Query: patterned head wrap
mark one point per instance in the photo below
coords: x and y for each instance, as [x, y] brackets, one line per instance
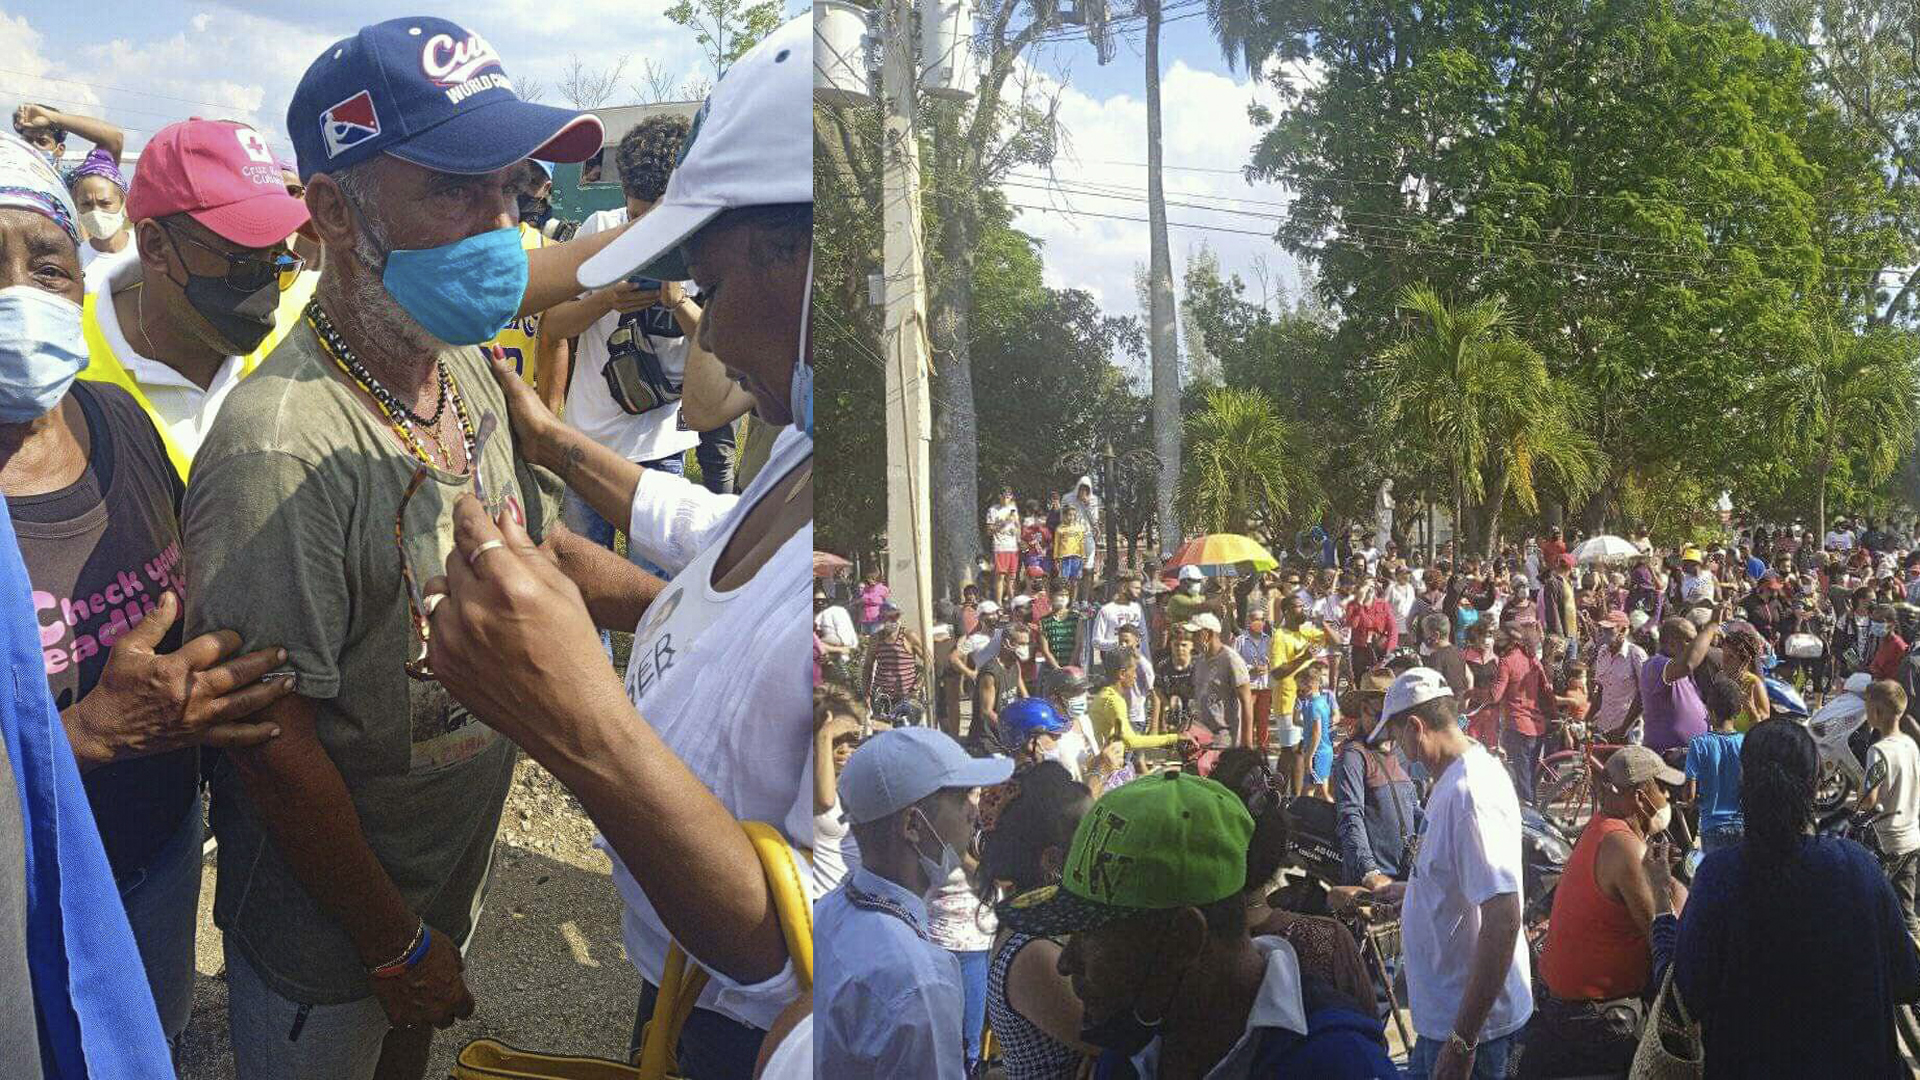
[28, 182]
[98, 163]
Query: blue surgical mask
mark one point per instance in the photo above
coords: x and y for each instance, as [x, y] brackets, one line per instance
[941, 871]
[42, 350]
[465, 292]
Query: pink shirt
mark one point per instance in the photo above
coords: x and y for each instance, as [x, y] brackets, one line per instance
[871, 597]
[1617, 674]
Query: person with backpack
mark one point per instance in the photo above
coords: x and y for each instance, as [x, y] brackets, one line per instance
[1170, 981]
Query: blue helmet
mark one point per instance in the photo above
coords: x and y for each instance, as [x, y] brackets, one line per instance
[1023, 719]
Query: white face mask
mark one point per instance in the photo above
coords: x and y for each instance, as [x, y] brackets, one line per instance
[1022, 651]
[1077, 706]
[938, 872]
[100, 224]
[1193, 588]
[1662, 818]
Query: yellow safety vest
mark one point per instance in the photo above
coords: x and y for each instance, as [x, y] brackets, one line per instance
[522, 336]
[104, 366]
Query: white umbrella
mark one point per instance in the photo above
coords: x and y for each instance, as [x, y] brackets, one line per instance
[1604, 549]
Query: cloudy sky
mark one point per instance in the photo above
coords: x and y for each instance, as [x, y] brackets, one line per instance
[156, 61]
[1207, 140]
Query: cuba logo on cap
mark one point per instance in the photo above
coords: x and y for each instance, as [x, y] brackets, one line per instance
[456, 66]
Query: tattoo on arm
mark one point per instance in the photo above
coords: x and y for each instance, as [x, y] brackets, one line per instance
[570, 459]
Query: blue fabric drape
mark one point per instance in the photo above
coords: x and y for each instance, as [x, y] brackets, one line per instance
[97, 1017]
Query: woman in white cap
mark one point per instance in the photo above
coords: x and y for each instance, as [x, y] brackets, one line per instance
[714, 725]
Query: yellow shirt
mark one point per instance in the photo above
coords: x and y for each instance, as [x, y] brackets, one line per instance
[1108, 711]
[1289, 646]
[104, 366]
[521, 337]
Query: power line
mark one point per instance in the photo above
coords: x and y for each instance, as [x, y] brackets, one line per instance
[1377, 243]
[117, 89]
[1455, 229]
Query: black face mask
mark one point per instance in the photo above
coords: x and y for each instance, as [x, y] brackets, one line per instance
[535, 211]
[243, 320]
[1124, 1030]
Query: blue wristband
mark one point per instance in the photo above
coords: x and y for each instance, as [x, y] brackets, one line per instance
[419, 952]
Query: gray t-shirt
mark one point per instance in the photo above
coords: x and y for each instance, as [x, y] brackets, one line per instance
[289, 529]
[1216, 699]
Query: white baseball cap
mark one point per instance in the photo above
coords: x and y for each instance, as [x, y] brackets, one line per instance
[897, 768]
[1206, 620]
[1191, 573]
[751, 144]
[987, 607]
[1414, 686]
[1023, 600]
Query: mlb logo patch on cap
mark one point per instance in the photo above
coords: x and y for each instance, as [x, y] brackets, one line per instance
[349, 123]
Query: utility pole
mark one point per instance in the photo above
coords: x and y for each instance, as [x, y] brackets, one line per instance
[909, 412]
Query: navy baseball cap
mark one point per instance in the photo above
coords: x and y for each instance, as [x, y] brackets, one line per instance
[430, 92]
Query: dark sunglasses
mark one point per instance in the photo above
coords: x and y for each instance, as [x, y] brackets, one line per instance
[247, 273]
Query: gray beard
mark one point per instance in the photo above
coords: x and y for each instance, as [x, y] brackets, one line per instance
[376, 309]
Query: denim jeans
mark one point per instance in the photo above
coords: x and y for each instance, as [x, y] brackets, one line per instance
[712, 1046]
[716, 454]
[583, 520]
[973, 979]
[1523, 760]
[1489, 1059]
[162, 900]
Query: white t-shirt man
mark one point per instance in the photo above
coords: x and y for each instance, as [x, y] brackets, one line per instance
[1469, 855]
[1003, 526]
[1899, 832]
[1840, 540]
[648, 436]
[835, 627]
[1110, 618]
[1400, 595]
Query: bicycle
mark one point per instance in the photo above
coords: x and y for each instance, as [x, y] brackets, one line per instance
[1563, 787]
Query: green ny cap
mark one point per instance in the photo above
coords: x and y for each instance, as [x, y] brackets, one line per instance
[1167, 841]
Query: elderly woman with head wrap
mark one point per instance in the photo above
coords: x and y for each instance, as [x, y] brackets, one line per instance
[94, 503]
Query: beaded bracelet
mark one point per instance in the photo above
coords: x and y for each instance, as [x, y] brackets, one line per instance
[416, 952]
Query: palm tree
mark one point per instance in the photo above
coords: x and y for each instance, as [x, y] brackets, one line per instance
[1245, 464]
[1470, 393]
[1848, 397]
[1162, 345]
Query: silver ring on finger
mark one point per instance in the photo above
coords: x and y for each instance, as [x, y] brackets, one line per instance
[431, 601]
[484, 547]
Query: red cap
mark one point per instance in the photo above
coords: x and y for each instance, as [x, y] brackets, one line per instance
[220, 173]
[1566, 561]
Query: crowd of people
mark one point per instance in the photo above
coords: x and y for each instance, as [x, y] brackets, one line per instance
[1162, 832]
[314, 469]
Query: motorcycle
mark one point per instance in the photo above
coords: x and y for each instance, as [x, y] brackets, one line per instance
[1839, 732]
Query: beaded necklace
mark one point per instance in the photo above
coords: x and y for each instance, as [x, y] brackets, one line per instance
[402, 419]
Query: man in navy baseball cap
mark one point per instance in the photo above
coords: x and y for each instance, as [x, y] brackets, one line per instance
[427, 91]
[354, 856]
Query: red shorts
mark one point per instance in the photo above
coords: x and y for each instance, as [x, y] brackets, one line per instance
[1006, 562]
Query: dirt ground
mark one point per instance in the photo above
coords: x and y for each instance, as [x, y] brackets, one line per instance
[546, 966]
